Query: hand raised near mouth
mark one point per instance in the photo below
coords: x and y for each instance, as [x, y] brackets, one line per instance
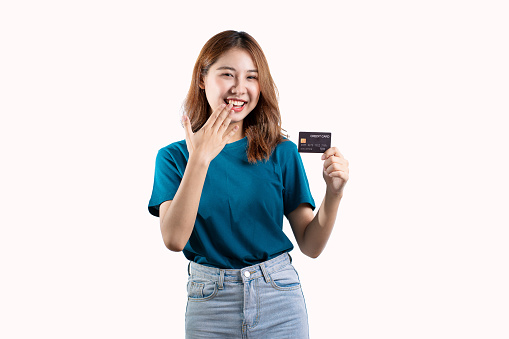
[208, 142]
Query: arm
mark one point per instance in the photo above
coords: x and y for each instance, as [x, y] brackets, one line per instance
[312, 233]
[177, 216]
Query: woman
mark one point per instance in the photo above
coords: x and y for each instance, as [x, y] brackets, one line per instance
[222, 192]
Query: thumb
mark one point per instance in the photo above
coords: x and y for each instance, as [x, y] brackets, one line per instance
[189, 132]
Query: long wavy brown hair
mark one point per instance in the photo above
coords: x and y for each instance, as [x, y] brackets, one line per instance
[262, 126]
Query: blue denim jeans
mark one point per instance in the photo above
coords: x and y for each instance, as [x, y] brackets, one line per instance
[262, 301]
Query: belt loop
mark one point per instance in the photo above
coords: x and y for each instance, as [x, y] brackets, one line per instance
[289, 256]
[221, 279]
[265, 274]
[189, 269]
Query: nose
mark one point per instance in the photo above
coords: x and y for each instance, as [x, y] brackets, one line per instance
[239, 87]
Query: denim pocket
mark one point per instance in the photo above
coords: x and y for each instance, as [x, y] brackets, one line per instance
[286, 279]
[200, 289]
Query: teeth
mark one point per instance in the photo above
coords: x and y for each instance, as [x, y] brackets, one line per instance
[236, 103]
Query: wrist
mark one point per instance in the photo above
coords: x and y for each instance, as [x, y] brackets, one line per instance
[334, 194]
[197, 160]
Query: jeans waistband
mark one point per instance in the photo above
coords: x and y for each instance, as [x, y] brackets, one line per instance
[244, 274]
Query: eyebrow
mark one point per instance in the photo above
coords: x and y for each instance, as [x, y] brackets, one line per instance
[233, 69]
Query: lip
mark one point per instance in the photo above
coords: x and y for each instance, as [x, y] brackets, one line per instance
[238, 109]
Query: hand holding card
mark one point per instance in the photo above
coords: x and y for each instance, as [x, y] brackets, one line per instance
[335, 166]
[335, 170]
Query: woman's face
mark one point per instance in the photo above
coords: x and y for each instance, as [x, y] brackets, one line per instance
[233, 78]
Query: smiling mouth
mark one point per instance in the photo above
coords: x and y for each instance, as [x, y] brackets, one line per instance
[236, 103]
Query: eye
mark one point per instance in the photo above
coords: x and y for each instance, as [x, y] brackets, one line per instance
[254, 77]
[227, 74]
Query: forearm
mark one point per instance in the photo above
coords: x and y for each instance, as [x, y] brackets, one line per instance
[318, 231]
[178, 222]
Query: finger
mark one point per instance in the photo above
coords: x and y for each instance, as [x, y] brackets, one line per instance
[333, 151]
[230, 133]
[212, 119]
[225, 124]
[330, 152]
[225, 113]
[336, 167]
[340, 174]
[333, 167]
[335, 159]
[330, 160]
[188, 130]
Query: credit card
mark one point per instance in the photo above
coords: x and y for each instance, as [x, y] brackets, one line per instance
[314, 142]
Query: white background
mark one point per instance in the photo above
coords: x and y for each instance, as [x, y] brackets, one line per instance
[415, 94]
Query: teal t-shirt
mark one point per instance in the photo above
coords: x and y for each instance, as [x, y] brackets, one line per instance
[240, 216]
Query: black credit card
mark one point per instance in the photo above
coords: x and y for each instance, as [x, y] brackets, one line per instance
[314, 142]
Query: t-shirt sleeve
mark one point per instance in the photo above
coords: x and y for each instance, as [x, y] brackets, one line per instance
[296, 186]
[167, 178]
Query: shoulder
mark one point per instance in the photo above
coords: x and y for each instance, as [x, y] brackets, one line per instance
[173, 148]
[286, 145]
[286, 156]
[285, 148]
[176, 151]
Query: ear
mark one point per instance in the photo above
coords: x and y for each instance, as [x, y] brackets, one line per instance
[201, 84]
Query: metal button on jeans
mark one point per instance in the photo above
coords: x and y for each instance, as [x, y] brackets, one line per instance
[247, 274]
